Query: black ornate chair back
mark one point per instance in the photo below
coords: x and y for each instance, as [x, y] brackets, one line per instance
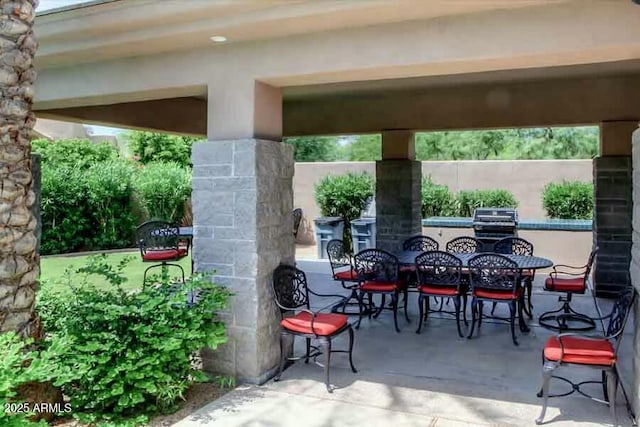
[376, 265]
[420, 243]
[494, 272]
[338, 257]
[157, 235]
[290, 288]
[589, 266]
[620, 313]
[514, 246]
[464, 245]
[297, 217]
[437, 268]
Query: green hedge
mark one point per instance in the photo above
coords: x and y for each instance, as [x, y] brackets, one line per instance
[437, 200]
[568, 200]
[88, 194]
[468, 200]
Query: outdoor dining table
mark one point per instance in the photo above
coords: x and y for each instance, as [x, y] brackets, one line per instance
[525, 262]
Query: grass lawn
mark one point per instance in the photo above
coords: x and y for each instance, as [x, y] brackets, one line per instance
[53, 268]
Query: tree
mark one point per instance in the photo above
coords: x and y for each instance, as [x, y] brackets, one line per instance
[160, 147]
[19, 259]
[315, 148]
[365, 148]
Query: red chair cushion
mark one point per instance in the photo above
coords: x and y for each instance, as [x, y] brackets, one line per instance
[167, 255]
[345, 275]
[408, 269]
[565, 284]
[580, 350]
[380, 286]
[494, 294]
[324, 323]
[438, 290]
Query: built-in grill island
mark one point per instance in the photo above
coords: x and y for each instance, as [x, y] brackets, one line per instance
[493, 224]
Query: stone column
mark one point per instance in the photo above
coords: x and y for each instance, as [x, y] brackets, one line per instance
[398, 185]
[635, 275]
[613, 207]
[242, 202]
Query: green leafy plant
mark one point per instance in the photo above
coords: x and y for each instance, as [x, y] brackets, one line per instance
[75, 153]
[150, 147]
[568, 200]
[344, 196]
[162, 189]
[129, 352]
[468, 200]
[437, 200]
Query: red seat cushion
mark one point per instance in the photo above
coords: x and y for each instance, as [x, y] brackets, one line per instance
[324, 323]
[495, 294]
[345, 275]
[408, 269]
[565, 284]
[166, 255]
[380, 286]
[580, 350]
[438, 290]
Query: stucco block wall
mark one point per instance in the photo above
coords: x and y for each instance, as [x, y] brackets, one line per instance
[524, 178]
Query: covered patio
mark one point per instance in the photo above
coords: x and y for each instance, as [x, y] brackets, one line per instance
[312, 68]
[434, 379]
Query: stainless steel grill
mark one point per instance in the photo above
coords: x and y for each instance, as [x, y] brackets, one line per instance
[493, 224]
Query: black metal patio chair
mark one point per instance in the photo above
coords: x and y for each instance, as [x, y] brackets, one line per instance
[439, 275]
[494, 278]
[593, 351]
[342, 271]
[379, 274]
[419, 244]
[464, 245]
[519, 246]
[292, 296]
[160, 242]
[297, 218]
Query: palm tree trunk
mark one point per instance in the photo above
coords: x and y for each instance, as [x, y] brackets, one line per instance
[19, 258]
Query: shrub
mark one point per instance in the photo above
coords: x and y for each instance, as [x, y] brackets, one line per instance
[160, 147]
[568, 200]
[437, 200]
[129, 353]
[344, 196]
[467, 200]
[162, 189]
[76, 153]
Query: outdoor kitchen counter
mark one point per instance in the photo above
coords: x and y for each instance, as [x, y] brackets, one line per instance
[524, 224]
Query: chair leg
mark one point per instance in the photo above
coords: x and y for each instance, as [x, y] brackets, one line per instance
[326, 349]
[421, 304]
[360, 308]
[493, 308]
[306, 357]
[464, 309]
[547, 372]
[456, 303]
[394, 301]
[370, 299]
[480, 313]
[605, 392]
[529, 306]
[612, 388]
[406, 299]
[353, 368]
[283, 357]
[512, 318]
[382, 303]
[474, 309]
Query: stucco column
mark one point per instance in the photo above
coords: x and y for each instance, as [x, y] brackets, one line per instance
[242, 202]
[635, 274]
[613, 207]
[398, 185]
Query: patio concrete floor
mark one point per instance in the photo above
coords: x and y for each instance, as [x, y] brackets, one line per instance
[431, 379]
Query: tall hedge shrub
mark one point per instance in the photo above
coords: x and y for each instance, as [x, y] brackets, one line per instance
[468, 200]
[344, 196]
[162, 189]
[437, 200]
[568, 200]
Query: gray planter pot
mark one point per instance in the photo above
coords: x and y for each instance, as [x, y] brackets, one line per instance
[327, 228]
[363, 234]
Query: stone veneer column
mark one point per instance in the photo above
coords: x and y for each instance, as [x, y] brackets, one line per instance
[242, 202]
[612, 223]
[635, 274]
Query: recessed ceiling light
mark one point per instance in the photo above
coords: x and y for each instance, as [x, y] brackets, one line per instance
[218, 39]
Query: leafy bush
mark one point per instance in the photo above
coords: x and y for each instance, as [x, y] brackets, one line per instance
[162, 189]
[568, 200]
[160, 147]
[437, 200]
[76, 153]
[18, 366]
[467, 200]
[344, 196]
[129, 354]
